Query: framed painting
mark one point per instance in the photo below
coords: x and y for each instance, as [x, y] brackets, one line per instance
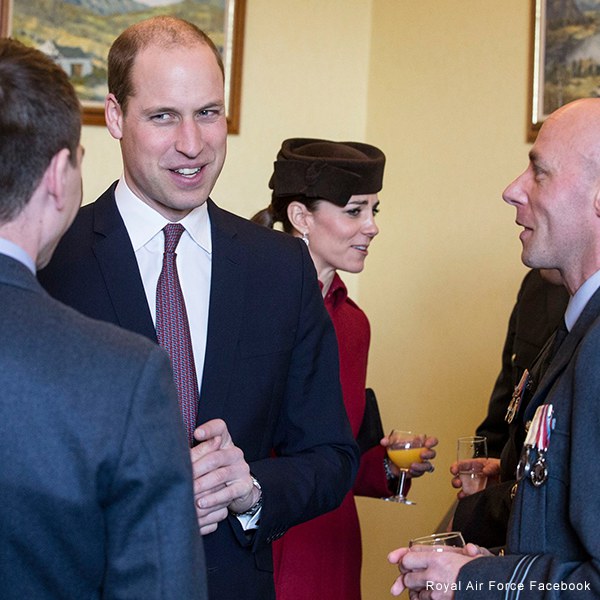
[565, 55]
[78, 34]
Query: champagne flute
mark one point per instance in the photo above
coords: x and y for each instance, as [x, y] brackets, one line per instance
[404, 449]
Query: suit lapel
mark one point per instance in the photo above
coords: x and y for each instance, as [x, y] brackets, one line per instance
[116, 259]
[565, 352]
[227, 286]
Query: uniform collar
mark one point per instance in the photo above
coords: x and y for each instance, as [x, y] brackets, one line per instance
[580, 299]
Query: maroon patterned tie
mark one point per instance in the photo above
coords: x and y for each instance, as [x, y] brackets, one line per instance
[173, 330]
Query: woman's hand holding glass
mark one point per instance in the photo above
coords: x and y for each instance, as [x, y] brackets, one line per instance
[426, 455]
[404, 450]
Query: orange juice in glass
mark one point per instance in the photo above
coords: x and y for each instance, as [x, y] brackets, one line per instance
[404, 457]
[404, 449]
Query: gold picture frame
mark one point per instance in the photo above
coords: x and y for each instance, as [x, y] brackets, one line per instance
[79, 38]
[565, 56]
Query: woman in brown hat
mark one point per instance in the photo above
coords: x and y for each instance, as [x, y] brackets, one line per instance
[326, 193]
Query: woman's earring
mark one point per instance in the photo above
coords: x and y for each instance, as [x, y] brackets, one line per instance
[305, 238]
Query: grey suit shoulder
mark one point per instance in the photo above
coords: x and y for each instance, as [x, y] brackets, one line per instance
[96, 484]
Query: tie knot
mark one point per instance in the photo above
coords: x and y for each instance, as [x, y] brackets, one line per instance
[173, 233]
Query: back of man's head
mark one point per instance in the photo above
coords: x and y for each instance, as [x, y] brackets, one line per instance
[40, 116]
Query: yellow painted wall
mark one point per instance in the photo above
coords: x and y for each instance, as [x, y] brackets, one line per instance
[447, 101]
[305, 73]
[441, 86]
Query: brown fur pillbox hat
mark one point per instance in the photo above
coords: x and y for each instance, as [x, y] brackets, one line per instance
[324, 169]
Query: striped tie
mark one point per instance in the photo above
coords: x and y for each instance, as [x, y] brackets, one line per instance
[173, 330]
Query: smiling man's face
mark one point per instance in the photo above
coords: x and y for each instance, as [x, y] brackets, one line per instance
[173, 134]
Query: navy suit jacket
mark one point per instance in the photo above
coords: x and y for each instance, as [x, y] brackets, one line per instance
[554, 530]
[95, 478]
[270, 372]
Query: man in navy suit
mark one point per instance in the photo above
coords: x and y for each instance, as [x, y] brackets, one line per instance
[273, 446]
[96, 480]
[553, 545]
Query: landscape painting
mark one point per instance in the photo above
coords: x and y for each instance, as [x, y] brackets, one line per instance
[566, 55]
[78, 33]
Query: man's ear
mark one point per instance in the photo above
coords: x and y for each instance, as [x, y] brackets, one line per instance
[299, 217]
[55, 176]
[597, 202]
[113, 116]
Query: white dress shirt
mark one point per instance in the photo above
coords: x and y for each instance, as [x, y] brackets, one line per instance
[194, 258]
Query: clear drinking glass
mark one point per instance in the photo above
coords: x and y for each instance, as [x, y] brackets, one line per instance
[437, 542]
[471, 456]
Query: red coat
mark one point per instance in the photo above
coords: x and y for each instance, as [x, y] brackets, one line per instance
[322, 557]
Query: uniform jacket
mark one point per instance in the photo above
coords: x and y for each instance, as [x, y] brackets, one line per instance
[553, 531]
[271, 370]
[483, 517]
[539, 308]
[95, 481]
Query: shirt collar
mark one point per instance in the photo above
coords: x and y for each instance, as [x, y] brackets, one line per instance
[11, 249]
[581, 297]
[337, 292]
[143, 223]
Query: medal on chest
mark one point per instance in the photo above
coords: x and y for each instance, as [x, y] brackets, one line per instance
[538, 439]
[517, 397]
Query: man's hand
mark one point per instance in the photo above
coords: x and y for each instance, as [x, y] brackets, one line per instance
[222, 481]
[420, 570]
[491, 470]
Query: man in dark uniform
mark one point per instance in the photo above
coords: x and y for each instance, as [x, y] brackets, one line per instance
[541, 302]
[553, 541]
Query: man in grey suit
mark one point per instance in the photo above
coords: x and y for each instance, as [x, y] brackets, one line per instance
[96, 480]
[553, 546]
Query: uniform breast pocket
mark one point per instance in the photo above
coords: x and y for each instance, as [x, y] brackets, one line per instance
[558, 454]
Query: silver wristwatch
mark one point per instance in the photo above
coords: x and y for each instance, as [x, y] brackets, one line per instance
[257, 505]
